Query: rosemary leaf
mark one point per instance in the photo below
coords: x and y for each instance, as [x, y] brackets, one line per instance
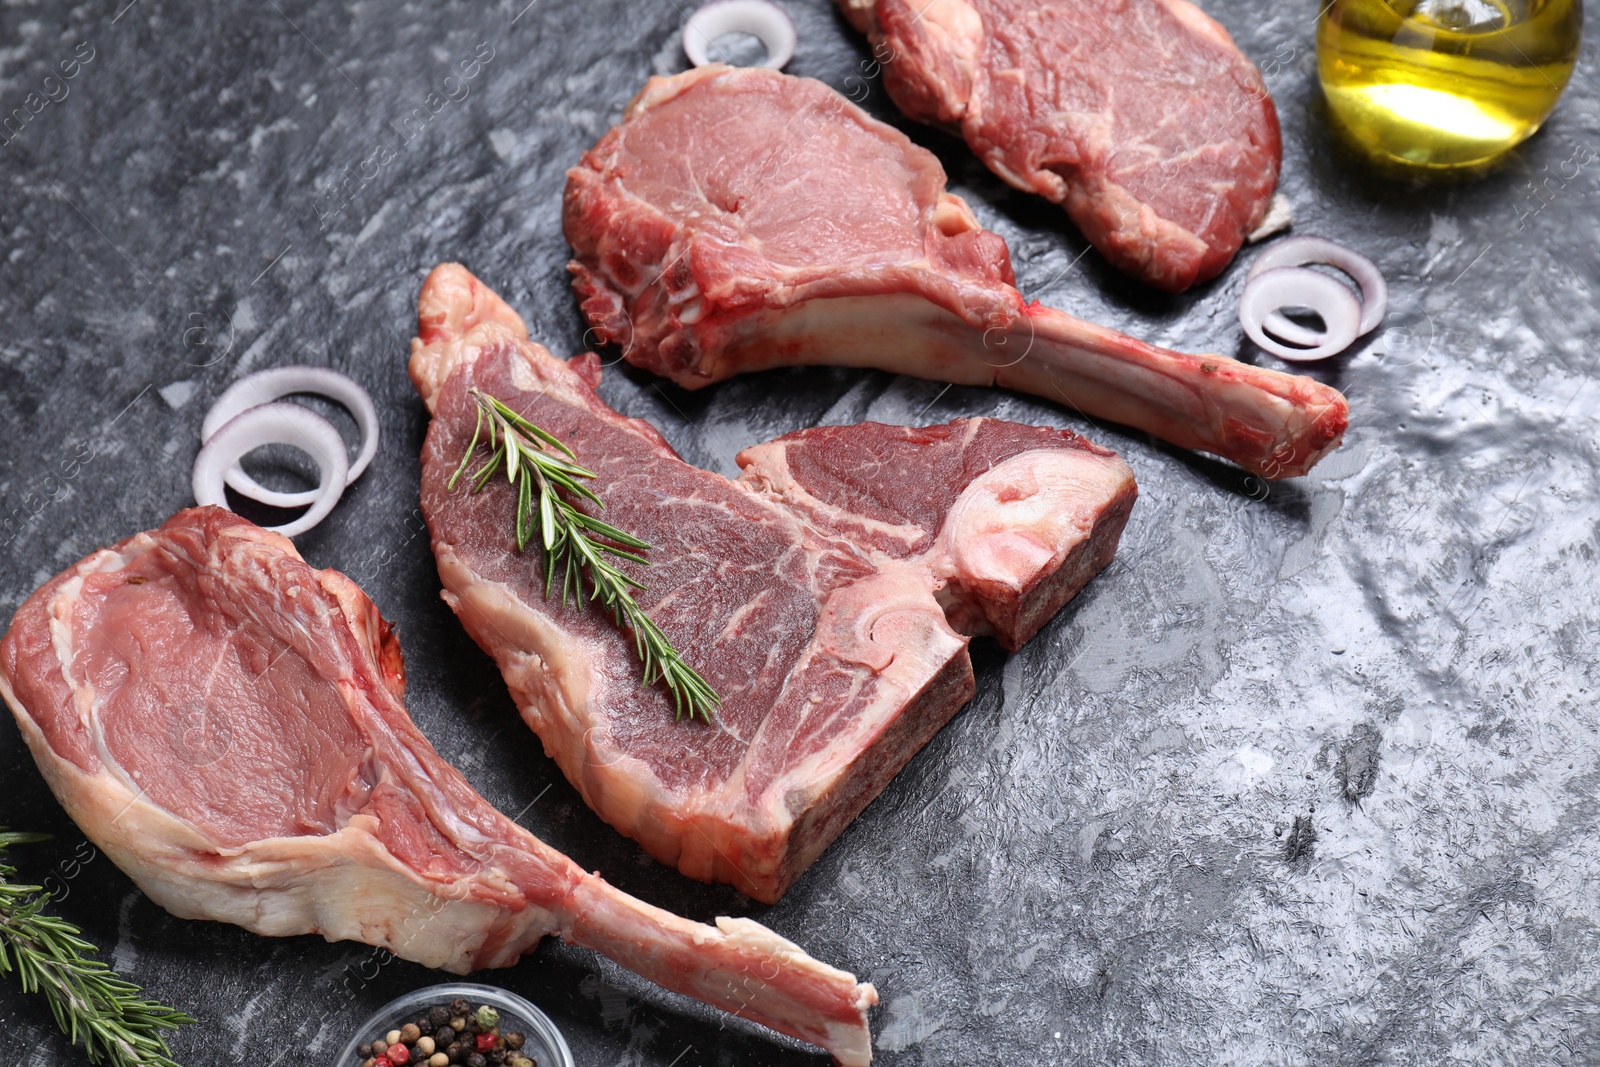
[468, 454]
[610, 533]
[524, 491]
[547, 517]
[95, 1007]
[537, 462]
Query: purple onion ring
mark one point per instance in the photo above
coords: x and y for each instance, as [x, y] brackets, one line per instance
[1298, 252]
[264, 387]
[1286, 287]
[267, 424]
[759, 18]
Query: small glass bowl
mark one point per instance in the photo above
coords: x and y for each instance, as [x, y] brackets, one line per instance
[544, 1042]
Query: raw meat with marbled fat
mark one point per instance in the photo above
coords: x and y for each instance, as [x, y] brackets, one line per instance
[834, 628]
[737, 220]
[1140, 117]
[226, 723]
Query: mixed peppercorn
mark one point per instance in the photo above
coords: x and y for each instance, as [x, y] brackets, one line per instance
[450, 1035]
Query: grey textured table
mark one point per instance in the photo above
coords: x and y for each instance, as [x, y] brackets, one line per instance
[1306, 777]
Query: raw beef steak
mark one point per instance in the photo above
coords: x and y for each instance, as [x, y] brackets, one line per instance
[1140, 117]
[812, 593]
[226, 723]
[737, 220]
[978, 500]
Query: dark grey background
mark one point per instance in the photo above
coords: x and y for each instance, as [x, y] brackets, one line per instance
[1304, 777]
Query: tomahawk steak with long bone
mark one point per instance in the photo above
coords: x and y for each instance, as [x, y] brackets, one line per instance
[827, 594]
[227, 723]
[737, 220]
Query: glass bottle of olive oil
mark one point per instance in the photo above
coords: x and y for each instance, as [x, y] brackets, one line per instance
[1444, 83]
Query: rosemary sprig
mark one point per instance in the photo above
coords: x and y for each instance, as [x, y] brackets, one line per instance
[545, 473]
[93, 1005]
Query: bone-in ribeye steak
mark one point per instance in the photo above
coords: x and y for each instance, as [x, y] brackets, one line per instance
[737, 220]
[1140, 117]
[226, 723]
[826, 594]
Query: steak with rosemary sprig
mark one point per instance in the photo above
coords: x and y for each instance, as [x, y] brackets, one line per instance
[827, 595]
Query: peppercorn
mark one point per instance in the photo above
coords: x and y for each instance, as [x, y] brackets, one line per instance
[488, 1018]
[444, 1035]
[399, 1055]
[458, 1052]
[496, 1056]
[438, 1015]
[425, 1045]
[379, 1047]
[409, 1034]
[513, 1039]
[485, 1042]
[522, 1061]
[438, 1059]
[364, 1051]
[458, 1022]
[369, 1062]
[477, 1060]
[460, 1006]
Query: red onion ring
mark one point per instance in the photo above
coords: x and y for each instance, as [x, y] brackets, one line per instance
[759, 18]
[1283, 287]
[287, 424]
[1299, 251]
[269, 385]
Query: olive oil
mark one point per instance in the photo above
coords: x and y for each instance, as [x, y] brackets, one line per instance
[1444, 83]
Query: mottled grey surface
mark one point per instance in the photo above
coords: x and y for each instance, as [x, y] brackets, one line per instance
[1305, 777]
